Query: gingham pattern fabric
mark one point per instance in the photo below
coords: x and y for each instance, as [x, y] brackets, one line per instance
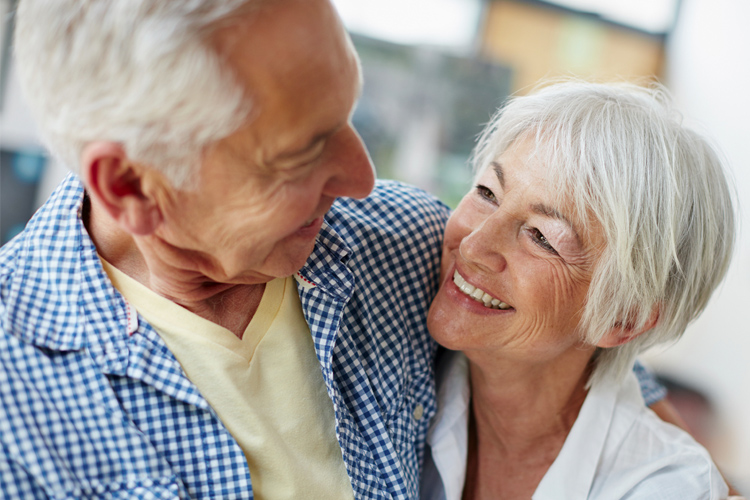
[89, 409]
[651, 389]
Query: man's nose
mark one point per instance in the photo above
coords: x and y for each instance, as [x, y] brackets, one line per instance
[354, 174]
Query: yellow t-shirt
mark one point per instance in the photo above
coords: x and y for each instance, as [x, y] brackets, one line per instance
[267, 388]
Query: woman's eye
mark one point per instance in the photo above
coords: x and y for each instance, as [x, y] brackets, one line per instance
[486, 193]
[541, 240]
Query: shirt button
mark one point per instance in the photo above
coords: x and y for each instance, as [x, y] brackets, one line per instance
[418, 412]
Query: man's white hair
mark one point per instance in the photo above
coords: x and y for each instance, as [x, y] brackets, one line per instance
[136, 72]
[621, 154]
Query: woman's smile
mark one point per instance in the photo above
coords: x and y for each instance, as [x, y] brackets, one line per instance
[478, 294]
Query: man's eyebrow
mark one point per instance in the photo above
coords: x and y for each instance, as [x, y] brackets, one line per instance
[322, 135]
[310, 145]
[498, 168]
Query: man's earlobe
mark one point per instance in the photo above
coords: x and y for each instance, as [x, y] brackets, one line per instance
[115, 183]
[625, 331]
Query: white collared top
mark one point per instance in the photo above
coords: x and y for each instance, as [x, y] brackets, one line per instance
[617, 448]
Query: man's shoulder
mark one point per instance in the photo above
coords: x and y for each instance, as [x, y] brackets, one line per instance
[392, 203]
[44, 238]
[393, 210]
[10, 253]
[40, 271]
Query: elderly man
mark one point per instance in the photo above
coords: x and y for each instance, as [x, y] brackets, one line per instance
[191, 309]
[156, 314]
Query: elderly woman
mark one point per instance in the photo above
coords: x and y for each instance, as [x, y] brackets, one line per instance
[599, 226]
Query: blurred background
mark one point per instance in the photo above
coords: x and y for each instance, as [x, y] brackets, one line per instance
[435, 70]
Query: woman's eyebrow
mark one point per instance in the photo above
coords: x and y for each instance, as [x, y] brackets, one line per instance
[547, 211]
[498, 168]
[539, 208]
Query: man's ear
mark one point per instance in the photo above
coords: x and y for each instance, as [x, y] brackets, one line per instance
[116, 184]
[625, 331]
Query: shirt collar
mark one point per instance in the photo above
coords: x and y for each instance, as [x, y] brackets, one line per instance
[63, 299]
[326, 267]
[59, 259]
[448, 435]
[583, 447]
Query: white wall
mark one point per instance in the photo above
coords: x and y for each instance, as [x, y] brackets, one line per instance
[709, 72]
[18, 131]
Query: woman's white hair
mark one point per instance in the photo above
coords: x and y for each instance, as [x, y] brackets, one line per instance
[659, 191]
[136, 72]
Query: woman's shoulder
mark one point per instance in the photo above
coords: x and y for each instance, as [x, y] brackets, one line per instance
[645, 457]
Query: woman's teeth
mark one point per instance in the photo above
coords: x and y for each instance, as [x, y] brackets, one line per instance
[478, 294]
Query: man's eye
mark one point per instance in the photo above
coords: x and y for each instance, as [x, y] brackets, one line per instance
[486, 193]
[541, 240]
[302, 158]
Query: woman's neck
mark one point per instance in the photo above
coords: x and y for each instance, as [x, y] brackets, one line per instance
[520, 418]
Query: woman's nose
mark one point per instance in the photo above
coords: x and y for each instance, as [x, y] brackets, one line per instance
[486, 244]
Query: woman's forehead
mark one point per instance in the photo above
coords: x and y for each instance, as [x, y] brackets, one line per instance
[550, 190]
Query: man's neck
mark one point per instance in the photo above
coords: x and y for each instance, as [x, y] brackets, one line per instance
[229, 305]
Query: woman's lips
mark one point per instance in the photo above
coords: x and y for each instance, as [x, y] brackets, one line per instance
[478, 294]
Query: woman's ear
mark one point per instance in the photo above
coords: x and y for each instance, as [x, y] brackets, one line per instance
[625, 331]
[115, 183]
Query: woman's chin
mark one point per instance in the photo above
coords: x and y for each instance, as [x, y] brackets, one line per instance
[444, 327]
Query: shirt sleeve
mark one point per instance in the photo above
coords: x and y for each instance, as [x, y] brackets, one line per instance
[16, 482]
[651, 389]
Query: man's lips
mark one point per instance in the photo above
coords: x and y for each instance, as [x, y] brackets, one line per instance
[308, 223]
[316, 220]
[310, 228]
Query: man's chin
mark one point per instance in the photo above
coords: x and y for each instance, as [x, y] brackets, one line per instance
[287, 263]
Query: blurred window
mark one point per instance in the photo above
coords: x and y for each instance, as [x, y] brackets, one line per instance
[451, 24]
[652, 16]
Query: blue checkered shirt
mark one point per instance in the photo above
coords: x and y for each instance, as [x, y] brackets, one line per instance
[90, 408]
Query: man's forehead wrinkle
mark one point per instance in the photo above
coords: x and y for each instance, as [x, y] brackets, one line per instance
[238, 151]
[307, 52]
